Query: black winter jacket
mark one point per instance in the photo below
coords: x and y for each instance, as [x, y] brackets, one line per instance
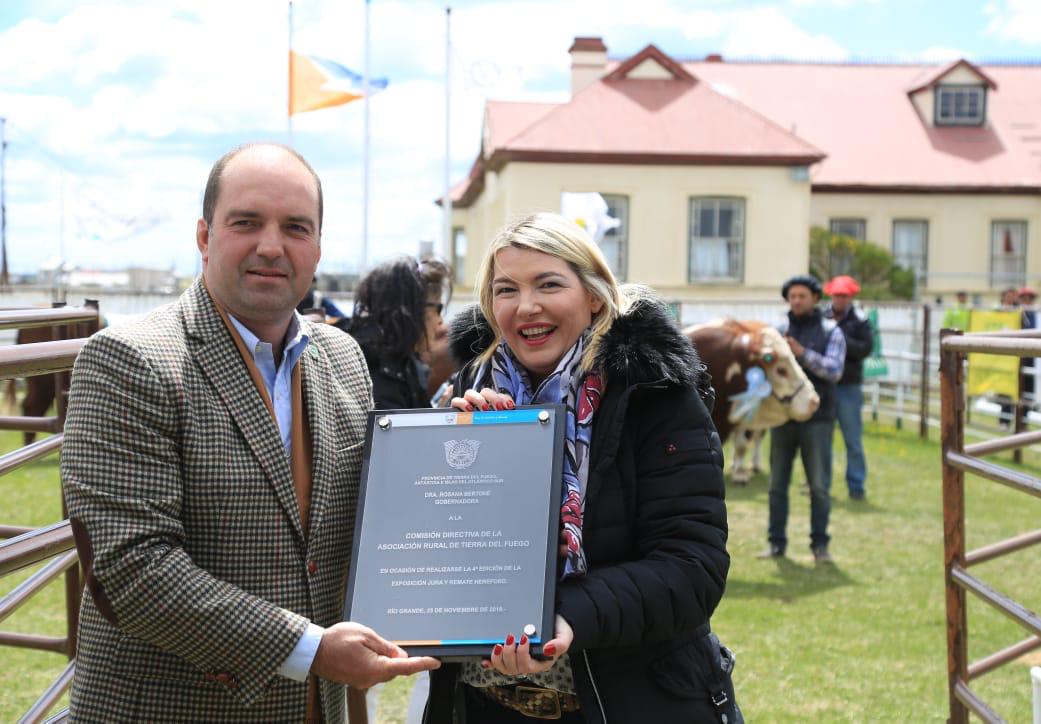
[397, 382]
[654, 533]
[859, 341]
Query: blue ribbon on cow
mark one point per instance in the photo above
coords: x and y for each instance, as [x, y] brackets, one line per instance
[746, 404]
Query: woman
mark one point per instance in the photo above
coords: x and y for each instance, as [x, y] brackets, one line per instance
[397, 321]
[643, 557]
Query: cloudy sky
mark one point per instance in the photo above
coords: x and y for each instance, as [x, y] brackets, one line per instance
[116, 109]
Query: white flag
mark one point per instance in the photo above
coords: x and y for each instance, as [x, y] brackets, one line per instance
[588, 210]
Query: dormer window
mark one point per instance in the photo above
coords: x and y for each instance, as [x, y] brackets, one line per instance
[960, 105]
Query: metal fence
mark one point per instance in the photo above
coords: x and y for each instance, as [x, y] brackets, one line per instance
[958, 459]
[26, 547]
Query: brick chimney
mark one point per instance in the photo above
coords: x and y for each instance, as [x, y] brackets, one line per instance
[588, 62]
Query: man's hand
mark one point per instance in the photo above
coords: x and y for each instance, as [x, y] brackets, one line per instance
[357, 656]
[797, 349]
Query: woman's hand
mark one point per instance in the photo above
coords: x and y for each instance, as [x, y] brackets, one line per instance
[486, 399]
[513, 658]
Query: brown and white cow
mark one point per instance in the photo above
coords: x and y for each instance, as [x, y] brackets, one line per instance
[729, 348]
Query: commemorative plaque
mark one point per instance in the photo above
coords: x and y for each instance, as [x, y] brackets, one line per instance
[456, 536]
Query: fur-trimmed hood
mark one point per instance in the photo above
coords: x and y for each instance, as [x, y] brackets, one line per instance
[643, 345]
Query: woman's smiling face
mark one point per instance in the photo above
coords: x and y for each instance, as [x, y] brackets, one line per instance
[540, 305]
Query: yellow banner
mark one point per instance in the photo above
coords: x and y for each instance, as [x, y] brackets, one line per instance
[993, 374]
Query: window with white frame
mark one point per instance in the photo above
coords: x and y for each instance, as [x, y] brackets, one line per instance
[615, 243]
[717, 239]
[960, 105]
[854, 228]
[911, 245]
[458, 254]
[1008, 253]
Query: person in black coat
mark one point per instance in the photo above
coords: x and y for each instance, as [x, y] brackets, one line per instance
[644, 527]
[849, 393]
[396, 319]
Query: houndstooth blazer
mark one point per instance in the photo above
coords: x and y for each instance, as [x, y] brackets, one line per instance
[178, 486]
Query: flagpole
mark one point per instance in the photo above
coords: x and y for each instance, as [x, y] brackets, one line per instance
[446, 204]
[289, 100]
[3, 205]
[365, 153]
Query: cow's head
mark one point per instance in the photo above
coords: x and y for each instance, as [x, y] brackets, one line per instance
[792, 396]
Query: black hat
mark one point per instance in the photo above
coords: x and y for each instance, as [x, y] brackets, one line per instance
[807, 280]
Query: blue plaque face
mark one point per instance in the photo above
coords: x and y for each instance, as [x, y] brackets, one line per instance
[456, 536]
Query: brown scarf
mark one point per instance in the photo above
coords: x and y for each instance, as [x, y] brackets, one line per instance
[299, 439]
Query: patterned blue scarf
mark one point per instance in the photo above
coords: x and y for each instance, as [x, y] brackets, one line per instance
[580, 394]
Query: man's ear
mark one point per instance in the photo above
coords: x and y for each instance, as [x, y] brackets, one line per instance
[202, 239]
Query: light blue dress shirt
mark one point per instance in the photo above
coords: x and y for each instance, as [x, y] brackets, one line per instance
[279, 384]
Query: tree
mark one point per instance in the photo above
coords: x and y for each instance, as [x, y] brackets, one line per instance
[871, 265]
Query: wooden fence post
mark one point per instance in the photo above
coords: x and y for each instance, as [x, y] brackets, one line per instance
[952, 436]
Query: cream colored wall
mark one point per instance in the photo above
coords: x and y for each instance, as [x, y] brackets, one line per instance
[587, 66]
[924, 102]
[961, 76]
[777, 218]
[649, 69]
[959, 230]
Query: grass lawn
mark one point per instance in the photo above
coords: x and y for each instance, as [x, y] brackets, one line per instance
[861, 641]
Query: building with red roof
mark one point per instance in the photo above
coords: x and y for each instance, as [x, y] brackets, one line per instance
[717, 170]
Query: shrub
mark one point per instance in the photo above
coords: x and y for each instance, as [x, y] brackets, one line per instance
[871, 265]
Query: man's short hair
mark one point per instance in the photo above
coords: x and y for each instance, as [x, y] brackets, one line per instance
[209, 197]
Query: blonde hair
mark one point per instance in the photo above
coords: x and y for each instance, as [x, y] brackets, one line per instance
[556, 236]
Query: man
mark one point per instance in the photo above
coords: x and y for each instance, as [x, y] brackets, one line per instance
[1027, 297]
[1009, 302]
[849, 397]
[214, 551]
[820, 349]
[1009, 298]
[957, 317]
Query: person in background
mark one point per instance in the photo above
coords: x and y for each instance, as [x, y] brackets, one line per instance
[957, 316]
[820, 348]
[315, 299]
[397, 320]
[1009, 303]
[1027, 296]
[849, 395]
[1009, 298]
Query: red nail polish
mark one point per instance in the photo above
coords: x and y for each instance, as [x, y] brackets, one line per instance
[524, 640]
[510, 404]
[469, 407]
[485, 664]
[497, 651]
[549, 650]
[509, 640]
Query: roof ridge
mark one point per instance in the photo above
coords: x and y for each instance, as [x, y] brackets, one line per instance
[861, 62]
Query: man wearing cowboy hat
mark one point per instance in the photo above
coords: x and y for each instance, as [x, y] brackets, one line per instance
[849, 397]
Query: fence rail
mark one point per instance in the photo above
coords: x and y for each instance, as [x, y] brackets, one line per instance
[51, 545]
[958, 459]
